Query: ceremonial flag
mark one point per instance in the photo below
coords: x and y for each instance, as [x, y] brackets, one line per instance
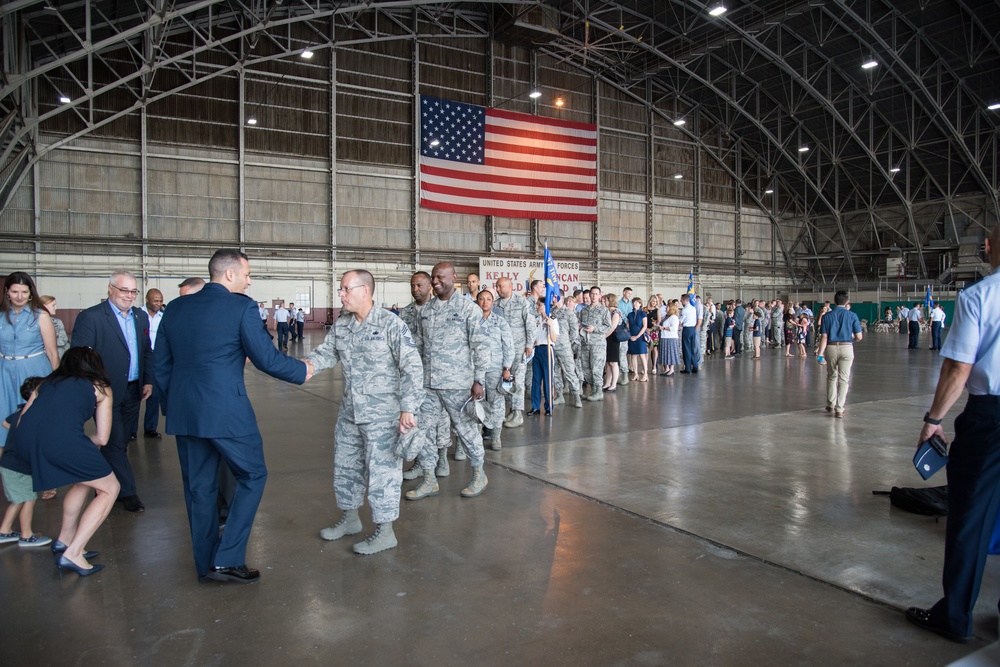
[486, 161]
[928, 300]
[551, 281]
[690, 290]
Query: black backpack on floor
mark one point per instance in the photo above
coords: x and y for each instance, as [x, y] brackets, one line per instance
[932, 501]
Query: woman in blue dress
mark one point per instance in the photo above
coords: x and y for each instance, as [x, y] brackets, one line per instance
[52, 429]
[27, 341]
[638, 351]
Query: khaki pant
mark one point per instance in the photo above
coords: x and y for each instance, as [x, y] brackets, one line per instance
[839, 359]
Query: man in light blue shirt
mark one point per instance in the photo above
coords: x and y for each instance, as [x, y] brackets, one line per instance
[971, 361]
[914, 319]
[625, 308]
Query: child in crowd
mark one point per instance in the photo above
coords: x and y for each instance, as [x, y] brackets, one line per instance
[803, 334]
[15, 470]
[756, 335]
[730, 325]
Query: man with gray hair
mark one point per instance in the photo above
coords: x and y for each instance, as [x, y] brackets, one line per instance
[119, 332]
[383, 389]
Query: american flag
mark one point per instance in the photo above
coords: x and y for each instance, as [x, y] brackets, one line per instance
[493, 162]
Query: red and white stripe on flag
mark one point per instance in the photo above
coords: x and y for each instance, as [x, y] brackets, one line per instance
[525, 166]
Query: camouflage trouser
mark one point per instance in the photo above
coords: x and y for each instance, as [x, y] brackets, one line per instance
[520, 372]
[363, 456]
[436, 426]
[622, 357]
[747, 334]
[496, 407]
[777, 335]
[592, 358]
[566, 373]
[468, 431]
[579, 364]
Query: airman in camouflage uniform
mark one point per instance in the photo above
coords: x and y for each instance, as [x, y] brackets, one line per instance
[434, 423]
[569, 325]
[520, 315]
[455, 354]
[501, 356]
[595, 323]
[383, 389]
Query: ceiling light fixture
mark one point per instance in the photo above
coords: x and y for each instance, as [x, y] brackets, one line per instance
[868, 64]
[251, 121]
[678, 175]
[435, 143]
[994, 106]
[803, 149]
[560, 102]
[718, 10]
[768, 192]
[534, 94]
[894, 170]
[679, 122]
[64, 100]
[307, 54]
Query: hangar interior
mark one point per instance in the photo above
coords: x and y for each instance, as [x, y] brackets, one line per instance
[779, 147]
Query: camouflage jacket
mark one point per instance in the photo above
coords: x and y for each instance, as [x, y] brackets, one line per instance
[599, 317]
[383, 373]
[499, 342]
[569, 327]
[454, 348]
[520, 315]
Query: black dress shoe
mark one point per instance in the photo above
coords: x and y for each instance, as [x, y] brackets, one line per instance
[532, 413]
[151, 434]
[131, 437]
[241, 574]
[922, 618]
[548, 413]
[685, 372]
[133, 504]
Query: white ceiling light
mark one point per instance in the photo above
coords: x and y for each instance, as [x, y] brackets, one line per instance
[768, 192]
[994, 107]
[718, 10]
[679, 122]
[868, 64]
[251, 121]
[435, 143]
[307, 54]
[64, 100]
[803, 149]
[678, 175]
[534, 94]
[894, 170]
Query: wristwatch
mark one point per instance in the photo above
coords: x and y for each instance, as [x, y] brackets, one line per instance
[928, 420]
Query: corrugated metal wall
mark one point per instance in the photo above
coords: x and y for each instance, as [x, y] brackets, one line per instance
[198, 180]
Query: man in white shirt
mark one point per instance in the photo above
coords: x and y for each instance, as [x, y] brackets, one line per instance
[264, 314]
[689, 335]
[153, 308]
[281, 317]
[937, 325]
[914, 319]
[546, 333]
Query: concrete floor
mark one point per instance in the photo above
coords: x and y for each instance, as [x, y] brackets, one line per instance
[718, 519]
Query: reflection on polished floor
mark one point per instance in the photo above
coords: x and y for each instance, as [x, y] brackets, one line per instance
[718, 519]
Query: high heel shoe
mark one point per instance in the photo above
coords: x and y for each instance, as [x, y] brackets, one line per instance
[64, 563]
[58, 548]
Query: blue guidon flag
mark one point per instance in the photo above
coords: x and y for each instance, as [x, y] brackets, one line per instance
[551, 281]
[484, 161]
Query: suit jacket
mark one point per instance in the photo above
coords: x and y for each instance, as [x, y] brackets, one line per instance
[200, 375]
[98, 328]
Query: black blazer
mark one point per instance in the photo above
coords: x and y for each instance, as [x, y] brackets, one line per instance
[98, 328]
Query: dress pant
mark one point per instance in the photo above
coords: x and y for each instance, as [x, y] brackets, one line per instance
[689, 348]
[973, 498]
[152, 418]
[936, 328]
[299, 329]
[839, 359]
[124, 415]
[737, 340]
[200, 459]
[282, 334]
[541, 372]
[914, 342]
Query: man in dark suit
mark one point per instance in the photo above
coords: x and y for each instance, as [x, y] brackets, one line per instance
[120, 334]
[200, 380]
